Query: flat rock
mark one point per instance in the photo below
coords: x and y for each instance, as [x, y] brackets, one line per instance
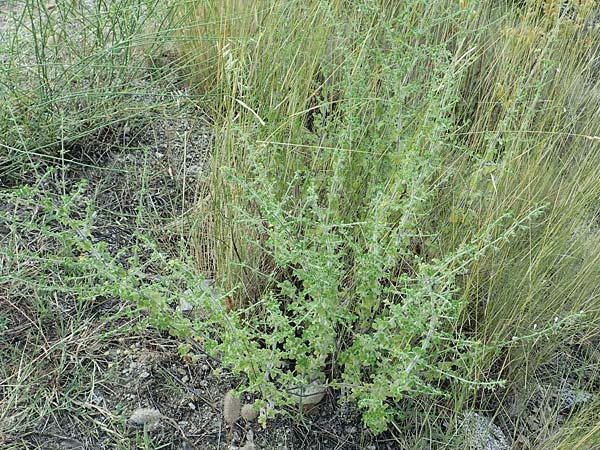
[480, 433]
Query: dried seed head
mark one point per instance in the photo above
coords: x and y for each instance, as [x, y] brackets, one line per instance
[249, 413]
[231, 408]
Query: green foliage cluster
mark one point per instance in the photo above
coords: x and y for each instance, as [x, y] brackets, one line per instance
[347, 293]
[367, 176]
[333, 198]
[397, 351]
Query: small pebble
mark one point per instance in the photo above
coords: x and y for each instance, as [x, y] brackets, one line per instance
[146, 416]
[249, 413]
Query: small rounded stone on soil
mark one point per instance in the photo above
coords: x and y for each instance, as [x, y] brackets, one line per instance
[310, 394]
[231, 408]
[249, 413]
[146, 416]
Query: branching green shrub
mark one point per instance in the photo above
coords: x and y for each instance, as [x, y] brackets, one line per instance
[339, 301]
[325, 325]
[336, 207]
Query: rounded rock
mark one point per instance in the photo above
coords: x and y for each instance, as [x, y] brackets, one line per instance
[311, 394]
[249, 413]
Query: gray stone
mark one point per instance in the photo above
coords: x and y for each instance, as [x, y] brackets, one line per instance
[480, 433]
